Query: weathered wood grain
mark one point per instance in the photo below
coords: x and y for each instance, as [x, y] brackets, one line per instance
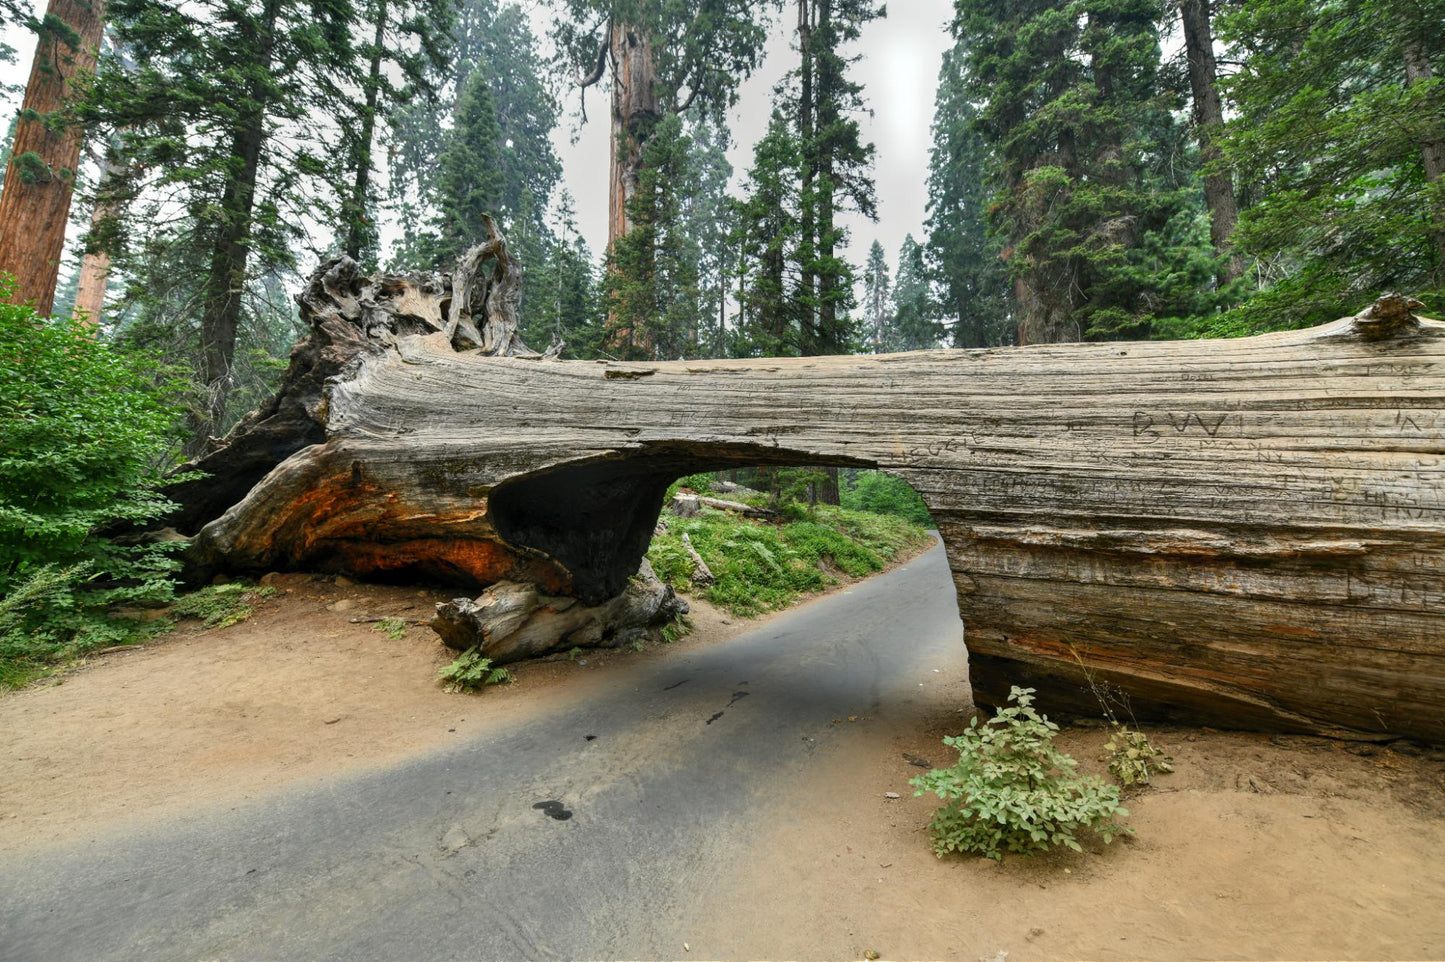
[1246, 532]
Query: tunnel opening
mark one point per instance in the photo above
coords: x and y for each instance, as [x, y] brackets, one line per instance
[596, 517]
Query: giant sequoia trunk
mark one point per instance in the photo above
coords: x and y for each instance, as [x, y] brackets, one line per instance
[1246, 532]
[40, 180]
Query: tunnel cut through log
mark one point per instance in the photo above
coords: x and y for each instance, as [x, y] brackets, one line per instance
[1246, 532]
[596, 517]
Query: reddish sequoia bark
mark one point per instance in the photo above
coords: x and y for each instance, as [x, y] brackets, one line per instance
[40, 180]
[1247, 532]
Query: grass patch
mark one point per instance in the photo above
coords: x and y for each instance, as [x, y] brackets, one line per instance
[763, 567]
[393, 628]
[221, 606]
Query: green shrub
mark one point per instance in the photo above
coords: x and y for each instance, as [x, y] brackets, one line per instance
[85, 430]
[221, 606]
[393, 628]
[679, 627]
[1133, 759]
[472, 672]
[1012, 789]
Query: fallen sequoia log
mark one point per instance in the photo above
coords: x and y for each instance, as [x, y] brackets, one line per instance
[1249, 532]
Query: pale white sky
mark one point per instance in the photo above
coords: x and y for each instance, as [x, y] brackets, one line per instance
[899, 71]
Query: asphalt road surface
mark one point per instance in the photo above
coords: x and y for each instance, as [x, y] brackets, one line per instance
[596, 832]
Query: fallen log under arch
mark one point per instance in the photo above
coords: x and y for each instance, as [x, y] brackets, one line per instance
[1248, 532]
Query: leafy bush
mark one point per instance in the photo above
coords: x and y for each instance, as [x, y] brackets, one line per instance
[393, 628]
[221, 606]
[679, 627]
[85, 430]
[1133, 759]
[701, 483]
[1012, 789]
[472, 672]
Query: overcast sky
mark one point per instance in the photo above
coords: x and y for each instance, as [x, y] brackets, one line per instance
[899, 73]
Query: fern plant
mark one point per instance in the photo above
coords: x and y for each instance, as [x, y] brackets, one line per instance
[472, 672]
[1013, 790]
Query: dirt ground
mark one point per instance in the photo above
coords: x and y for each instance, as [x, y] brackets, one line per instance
[1256, 847]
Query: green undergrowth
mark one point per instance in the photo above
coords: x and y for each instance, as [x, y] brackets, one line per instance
[221, 606]
[762, 567]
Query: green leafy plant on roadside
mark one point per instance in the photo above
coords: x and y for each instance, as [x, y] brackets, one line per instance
[221, 606]
[87, 430]
[393, 628]
[679, 627]
[1013, 790]
[1133, 759]
[472, 672]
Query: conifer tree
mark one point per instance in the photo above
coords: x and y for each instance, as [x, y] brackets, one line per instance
[915, 325]
[1096, 211]
[768, 234]
[964, 258]
[836, 167]
[218, 114]
[877, 299]
[1339, 130]
[40, 171]
[405, 52]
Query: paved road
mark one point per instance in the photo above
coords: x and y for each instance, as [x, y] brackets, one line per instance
[597, 832]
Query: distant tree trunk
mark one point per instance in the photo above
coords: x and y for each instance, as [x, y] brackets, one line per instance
[828, 489]
[40, 179]
[634, 113]
[825, 112]
[807, 280]
[1432, 151]
[221, 305]
[360, 233]
[95, 266]
[1208, 120]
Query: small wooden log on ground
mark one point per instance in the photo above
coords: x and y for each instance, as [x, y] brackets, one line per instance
[687, 506]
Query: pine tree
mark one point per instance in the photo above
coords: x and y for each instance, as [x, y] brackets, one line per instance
[964, 258]
[665, 279]
[495, 49]
[836, 167]
[915, 325]
[665, 59]
[409, 42]
[470, 173]
[877, 299]
[218, 117]
[1340, 134]
[1096, 211]
[768, 235]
